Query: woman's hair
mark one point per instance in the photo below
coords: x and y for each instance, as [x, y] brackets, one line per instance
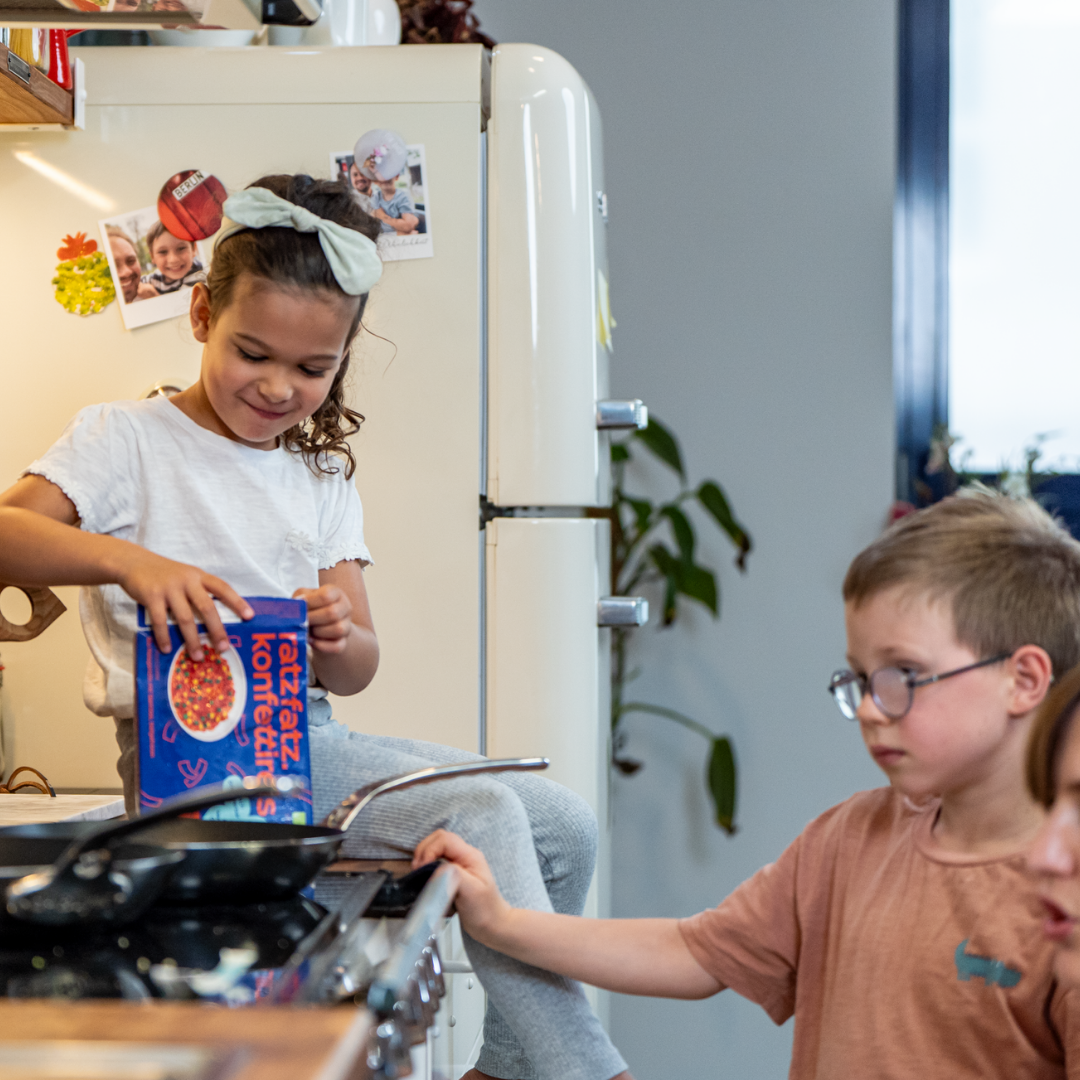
[295, 260]
[1051, 725]
[156, 230]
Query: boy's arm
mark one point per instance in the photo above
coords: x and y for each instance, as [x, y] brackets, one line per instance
[41, 544]
[630, 956]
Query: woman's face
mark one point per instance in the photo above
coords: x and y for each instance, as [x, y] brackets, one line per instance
[172, 256]
[127, 267]
[1054, 859]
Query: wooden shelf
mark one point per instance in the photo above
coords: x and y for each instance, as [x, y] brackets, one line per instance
[40, 102]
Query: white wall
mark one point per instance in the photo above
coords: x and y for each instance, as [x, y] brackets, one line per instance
[749, 154]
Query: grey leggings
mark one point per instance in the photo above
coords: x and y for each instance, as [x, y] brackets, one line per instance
[540, 839]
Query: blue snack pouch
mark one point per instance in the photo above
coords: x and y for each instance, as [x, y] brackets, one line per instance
[235, 714]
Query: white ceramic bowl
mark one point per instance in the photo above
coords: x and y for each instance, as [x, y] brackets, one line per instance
[183, 36]
[236, 669]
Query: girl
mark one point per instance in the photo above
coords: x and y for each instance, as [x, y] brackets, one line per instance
[1053, 775]
[240, 485]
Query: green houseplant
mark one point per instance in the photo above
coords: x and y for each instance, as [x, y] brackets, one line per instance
[654, 542]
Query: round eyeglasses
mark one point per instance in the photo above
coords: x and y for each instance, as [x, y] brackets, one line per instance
[891, 688]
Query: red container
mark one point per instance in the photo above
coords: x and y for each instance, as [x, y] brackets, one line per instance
[59, 63]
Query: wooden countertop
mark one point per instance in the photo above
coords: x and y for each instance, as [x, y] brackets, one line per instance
[280, 1043]
[25, 809]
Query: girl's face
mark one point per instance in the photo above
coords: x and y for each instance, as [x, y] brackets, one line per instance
[1054, 859]
[172, 256]
[269, 359]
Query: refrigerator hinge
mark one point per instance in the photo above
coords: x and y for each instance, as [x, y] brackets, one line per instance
[488, 511]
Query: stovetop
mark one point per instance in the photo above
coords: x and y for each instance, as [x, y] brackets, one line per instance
[371, 942]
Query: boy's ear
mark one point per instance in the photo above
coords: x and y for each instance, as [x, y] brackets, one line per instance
[199, 313]
[1032, 673]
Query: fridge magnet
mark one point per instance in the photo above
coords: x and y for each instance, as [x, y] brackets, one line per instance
[190, 203]
[83, 283]
[153, 268]
[389, 179]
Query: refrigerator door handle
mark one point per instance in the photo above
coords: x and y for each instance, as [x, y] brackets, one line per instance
[622, 611]
[622, 415]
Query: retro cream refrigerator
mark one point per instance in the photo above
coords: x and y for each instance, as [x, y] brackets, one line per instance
[482, 374]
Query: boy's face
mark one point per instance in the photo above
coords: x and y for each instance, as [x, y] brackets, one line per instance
[172, 256]
[960, 732]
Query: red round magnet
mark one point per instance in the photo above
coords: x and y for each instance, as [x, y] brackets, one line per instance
[189, 205]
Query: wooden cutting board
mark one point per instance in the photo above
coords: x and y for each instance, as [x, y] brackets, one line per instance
[279, 1043]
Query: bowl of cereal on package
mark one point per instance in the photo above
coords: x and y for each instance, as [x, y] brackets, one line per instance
[207, 697]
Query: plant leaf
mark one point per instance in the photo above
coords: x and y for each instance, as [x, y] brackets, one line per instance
[663, 444]
[643, 512]
[670, 569]
[683, 530]
[700, 584]
[713, 499]
[721, 781]
[619, 452]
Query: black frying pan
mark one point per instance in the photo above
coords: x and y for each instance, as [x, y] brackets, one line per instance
[240, 862]
[97, 877]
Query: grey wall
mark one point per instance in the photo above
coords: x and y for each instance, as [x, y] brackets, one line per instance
[749, 154]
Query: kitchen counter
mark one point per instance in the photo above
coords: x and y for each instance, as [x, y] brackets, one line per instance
[22, 809]
[263, 1043]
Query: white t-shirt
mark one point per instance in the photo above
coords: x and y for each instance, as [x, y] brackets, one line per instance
[143, 471]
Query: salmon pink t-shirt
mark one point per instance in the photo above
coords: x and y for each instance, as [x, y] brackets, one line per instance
[898, 960]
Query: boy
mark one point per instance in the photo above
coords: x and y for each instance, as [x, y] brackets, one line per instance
[899, 928]
[176, 266]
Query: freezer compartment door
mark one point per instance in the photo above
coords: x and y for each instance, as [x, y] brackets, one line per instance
[548, 315]
[548, 662]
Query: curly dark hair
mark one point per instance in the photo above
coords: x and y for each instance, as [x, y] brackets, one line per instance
[296, 260]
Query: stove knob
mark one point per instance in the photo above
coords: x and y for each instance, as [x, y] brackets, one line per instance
[388, 1056]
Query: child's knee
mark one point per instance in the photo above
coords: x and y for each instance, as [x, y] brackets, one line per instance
[488, 811]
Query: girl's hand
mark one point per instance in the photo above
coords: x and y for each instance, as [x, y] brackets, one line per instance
[479, 902]
[163, 586]
[329, 617]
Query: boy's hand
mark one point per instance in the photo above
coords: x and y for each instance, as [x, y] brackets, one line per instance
[329, 617]
[163, 586]
[146, 291]
[479, 902]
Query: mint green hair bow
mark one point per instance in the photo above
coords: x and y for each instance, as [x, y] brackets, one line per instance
[352, 256]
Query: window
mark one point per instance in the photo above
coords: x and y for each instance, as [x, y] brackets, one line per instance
[987, 231]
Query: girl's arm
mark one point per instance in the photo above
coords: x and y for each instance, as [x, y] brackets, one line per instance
[340, 630]
[630, 956]
[41, 544]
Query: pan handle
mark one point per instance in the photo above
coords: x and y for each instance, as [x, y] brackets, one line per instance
[347, 811]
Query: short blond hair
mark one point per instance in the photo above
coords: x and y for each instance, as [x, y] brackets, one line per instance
[1010, 572]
